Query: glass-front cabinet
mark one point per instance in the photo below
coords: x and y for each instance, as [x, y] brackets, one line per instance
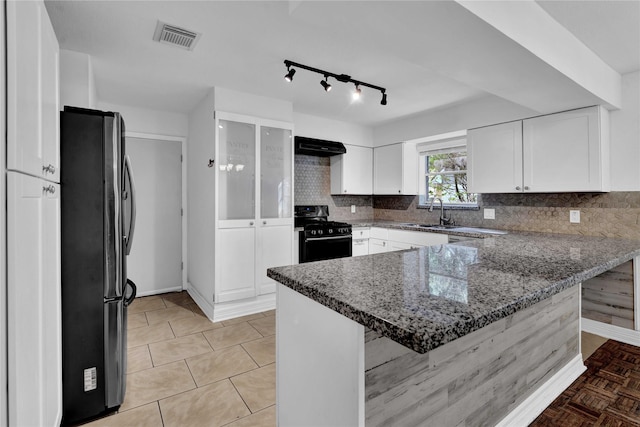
[254, 204]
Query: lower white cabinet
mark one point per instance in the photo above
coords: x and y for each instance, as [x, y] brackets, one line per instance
[34, 307]
[275, 250]
[378, 246]
[244, 255]
[360, 247]
[235, 264]
[387, 240]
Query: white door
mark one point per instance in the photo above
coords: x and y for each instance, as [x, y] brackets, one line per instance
[155, 261]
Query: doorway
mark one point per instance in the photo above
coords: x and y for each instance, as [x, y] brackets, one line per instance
[155, 263]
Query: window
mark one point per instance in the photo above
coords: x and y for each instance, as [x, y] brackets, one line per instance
[443, 170]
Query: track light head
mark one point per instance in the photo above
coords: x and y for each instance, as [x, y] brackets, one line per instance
[289, 76]
[325, 84]
[384, 99]
[356, 93]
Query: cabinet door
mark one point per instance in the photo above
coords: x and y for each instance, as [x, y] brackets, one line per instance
[235, 263]
[387, 169]
[276, 173]
[352, 172]
[33, 294]
[565, 152]
[50, 102]
[494, 158]
[275, 249]
[377, 246]
[236, 163]
[360, 247]
[24, 49]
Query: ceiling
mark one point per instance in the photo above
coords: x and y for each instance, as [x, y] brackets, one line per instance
[427, 54]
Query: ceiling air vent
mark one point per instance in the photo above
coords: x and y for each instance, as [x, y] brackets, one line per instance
[175, 36]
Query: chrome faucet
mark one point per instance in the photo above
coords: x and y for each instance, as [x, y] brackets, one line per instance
[443, 219]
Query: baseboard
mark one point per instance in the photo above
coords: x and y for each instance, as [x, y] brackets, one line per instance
[205, 306]
[229, 310]
[539, 400]
[611, 331]
[159, 291]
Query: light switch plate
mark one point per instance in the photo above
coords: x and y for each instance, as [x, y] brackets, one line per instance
[353, 208]
[489, 214]
[574, 217]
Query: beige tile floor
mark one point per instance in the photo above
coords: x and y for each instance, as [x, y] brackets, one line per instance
[184, 370]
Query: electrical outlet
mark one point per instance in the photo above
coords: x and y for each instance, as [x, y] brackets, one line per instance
[353, 208]
[574, 217]
[489, 214]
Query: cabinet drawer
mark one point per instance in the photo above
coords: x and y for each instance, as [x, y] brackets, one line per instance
[419, 238]
[379, 233]
[360, 233]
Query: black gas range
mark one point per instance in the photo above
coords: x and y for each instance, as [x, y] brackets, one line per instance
[321, 239]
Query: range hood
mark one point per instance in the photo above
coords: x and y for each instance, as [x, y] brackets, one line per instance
[318, 147]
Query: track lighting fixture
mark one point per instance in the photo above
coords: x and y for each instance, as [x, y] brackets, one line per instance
[325, 84]
[290, 72]
[356, 93]
[343, 78]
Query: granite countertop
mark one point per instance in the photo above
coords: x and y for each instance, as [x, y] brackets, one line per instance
[426, 297]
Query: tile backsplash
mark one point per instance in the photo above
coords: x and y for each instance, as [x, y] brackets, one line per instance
[313, 187]
[615, 214]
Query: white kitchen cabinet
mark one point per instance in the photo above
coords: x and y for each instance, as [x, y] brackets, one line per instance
[564, 152]
[254, 209]
[275, 250]
[378, 246]
[395, 169]
[352, 172]
[494, 158]
[33, 301]
[360, 242]
[567, 152]
[32, 91]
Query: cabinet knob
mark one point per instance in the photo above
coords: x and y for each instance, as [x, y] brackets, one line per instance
[49, 168]
[250, 222]
[399, 191]
[518, 188]
[384, 243]
[526, 187]
[264, 222]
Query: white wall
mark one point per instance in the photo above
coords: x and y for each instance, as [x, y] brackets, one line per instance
[332, 130]
[144, 120]
[232, 101]
[77, 86]
[480, 112]
[201, 198]
[3, 220]
[625, 137]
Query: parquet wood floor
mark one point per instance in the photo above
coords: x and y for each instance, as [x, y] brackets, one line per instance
[606, 394]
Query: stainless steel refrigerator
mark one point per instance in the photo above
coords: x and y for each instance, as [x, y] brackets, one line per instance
[98, 221]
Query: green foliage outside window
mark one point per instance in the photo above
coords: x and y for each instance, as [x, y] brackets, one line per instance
[446, 176]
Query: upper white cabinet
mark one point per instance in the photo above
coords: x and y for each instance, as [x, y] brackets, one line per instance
[254, 204]
[32, 91]
[564, 152]
[352, 172]
[395, 169]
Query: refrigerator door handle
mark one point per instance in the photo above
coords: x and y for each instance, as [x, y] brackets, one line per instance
[134, 289]
[132, 224]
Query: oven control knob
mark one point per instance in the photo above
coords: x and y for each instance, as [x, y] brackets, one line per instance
[330, 231]
[320, 232]
[313, 232]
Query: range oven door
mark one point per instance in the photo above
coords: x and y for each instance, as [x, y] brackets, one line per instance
[321, 248]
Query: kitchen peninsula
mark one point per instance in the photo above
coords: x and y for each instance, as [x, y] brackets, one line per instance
[444, 335]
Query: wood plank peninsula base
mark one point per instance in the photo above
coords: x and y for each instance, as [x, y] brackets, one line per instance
[333, 371]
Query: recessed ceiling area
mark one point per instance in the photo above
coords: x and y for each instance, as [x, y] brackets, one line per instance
[428, 55]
